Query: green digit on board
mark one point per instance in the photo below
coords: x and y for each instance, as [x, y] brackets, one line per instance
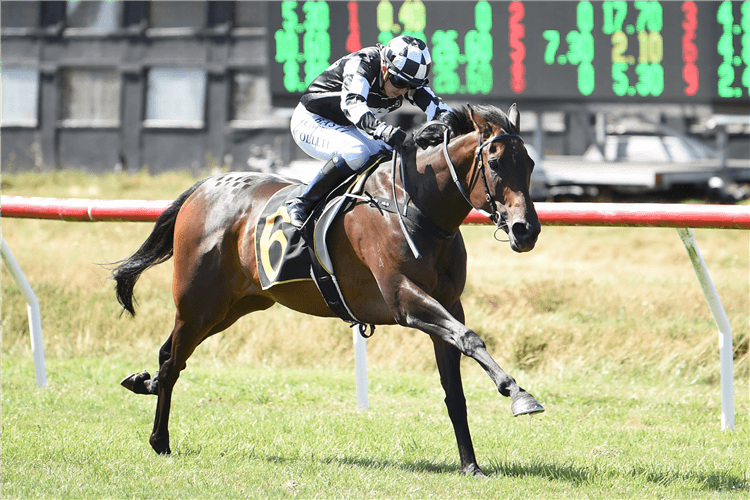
[656, 19]
[726, 79]
[650, 16]
[384, 14]
[585, 16]
[413, 16]
[445, 53]
[724, 14]
[619, 78]
[483, 16]
[478, 50]
[614, 16]
[586, 47]
[586, 79]
[553, 42]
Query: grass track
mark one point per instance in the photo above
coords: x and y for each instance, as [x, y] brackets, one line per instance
[607, 327]
[264, 433]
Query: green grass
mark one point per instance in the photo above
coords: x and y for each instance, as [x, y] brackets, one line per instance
[608, 327]
[258, 433]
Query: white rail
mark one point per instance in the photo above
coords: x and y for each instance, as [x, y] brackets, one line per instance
[35, 316]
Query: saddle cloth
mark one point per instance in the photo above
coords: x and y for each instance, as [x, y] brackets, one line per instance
[282, 253]
[285, 254]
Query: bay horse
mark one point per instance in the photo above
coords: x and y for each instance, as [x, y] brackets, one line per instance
[210, 230]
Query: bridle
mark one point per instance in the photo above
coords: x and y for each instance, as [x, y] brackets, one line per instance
[495, 216]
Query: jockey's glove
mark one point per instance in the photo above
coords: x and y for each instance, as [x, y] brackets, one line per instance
[393, 136]
[443, 116]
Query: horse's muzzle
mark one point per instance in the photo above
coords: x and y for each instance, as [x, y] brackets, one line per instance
[523, 234]
[521, 223]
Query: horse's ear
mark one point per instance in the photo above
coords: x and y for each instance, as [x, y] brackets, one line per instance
[480, 124]
[515, 117]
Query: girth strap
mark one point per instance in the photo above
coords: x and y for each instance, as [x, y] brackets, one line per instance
[329, 288]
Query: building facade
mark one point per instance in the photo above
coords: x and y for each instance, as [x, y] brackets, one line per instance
[125, 86]
[105, 86]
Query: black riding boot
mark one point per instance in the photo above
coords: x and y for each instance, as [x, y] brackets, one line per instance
[332, 173]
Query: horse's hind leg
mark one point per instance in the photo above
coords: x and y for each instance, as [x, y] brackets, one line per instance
[144, 383]
[184, 341]
[188, 333]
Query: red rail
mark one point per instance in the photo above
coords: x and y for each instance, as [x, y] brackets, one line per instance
[637, 214]
[556, 214]
[75, 209]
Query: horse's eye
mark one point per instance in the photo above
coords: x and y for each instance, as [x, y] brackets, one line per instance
[494, 163]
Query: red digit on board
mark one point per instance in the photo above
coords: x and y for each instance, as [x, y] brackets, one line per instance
[517, 31]
[353, 43]
[689, 49]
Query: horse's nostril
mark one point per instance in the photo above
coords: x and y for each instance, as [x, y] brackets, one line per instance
[520, 229]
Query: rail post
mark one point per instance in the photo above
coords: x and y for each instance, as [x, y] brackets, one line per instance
[35, 316]
[360, 369]
[726, 351]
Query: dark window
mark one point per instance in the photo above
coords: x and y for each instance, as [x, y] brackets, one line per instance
[98, 16]
[19, 14]
[20, 96]
[175, 97]
[250, 14]
[250, 97]
[220, 13]
[178, 14]
[134, 13]
[91, 97]
[52, 13]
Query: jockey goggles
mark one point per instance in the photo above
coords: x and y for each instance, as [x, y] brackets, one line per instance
[402, 83]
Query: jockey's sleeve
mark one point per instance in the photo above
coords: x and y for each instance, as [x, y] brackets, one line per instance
[427, 101]
[354, 90]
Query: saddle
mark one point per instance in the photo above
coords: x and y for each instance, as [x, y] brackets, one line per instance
[286, 254]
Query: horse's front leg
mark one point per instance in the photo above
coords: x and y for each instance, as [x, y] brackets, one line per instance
[416, 309]
[448, 359]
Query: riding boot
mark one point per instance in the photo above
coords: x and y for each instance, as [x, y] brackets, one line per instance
[332, 173]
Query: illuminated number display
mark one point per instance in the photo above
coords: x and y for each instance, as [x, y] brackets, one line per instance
[608, 51]
[734, 70]
[639, 29]
[311, 34]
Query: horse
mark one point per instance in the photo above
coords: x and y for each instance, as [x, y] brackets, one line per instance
[387, 275]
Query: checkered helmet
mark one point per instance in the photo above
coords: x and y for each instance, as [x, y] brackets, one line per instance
[409, 58]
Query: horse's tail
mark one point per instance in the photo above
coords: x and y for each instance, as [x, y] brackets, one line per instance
[157, 248]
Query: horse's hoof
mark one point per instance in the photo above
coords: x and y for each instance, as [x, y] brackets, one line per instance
[473, 470]
[136, 382]
[525, 404]
[160, 446]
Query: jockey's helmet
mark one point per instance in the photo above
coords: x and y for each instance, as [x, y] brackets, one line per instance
[408, 61]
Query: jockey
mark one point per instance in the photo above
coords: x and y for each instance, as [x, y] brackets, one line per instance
[338, 117]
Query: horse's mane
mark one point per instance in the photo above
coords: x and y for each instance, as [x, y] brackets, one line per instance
[459, 123]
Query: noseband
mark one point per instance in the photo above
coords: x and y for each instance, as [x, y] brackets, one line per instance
[495, 216]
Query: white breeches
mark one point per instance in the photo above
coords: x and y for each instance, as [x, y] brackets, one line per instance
[322, 139]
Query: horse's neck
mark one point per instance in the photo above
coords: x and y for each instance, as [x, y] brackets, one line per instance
[431, 185]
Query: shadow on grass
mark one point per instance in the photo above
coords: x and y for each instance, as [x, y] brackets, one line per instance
[575, 475]
[370, 463]
[594, 474]
[417, 466]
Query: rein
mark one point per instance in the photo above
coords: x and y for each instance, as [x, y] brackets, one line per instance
[396, 153]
